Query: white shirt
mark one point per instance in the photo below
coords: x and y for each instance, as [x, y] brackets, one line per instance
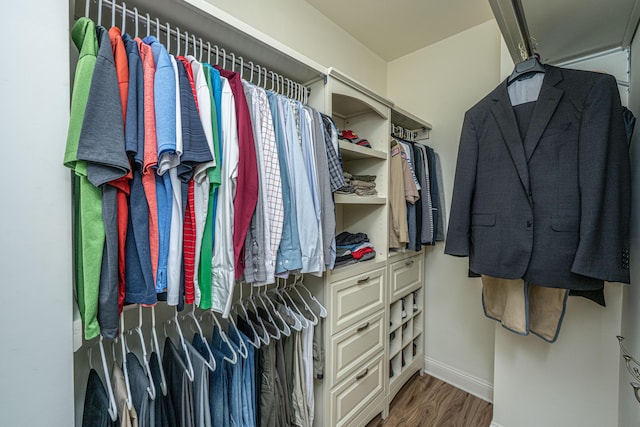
[200, 178]
[222, 269]
[174, 263]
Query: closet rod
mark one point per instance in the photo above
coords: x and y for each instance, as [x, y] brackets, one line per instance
[524, 28]
[279, 83]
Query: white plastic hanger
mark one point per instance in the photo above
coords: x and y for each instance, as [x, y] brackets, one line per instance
[259, 70]
[124, 16]
[201, 47]
[242, 347]
[266, 337]
[151, 390]
[148, 25]
[233, 61]
[125, 369]
[223, 335]
[313, 302]
[168, 37]
[294, 307]
[297, 324]
[209, 53]
[275, 314]
[156, 349]
[113, 409]
[241, 59]
[135, 18]
[254, 340]
[177, 41]
[211, 363]
[99, 12]
[174, 321]
[186, 43]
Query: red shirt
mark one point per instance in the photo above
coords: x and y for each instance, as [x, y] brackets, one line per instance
[247, 187]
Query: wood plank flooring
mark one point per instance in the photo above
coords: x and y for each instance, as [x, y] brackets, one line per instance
[426, 401]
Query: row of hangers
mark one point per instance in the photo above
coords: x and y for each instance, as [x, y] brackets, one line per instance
[402, 133]
[258, 310]
[279, 83]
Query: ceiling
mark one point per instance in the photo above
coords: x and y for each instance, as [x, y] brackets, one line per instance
[563, 29]
[394, 28]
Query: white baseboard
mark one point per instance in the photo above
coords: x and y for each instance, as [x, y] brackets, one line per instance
[463, 380]
[494, 425]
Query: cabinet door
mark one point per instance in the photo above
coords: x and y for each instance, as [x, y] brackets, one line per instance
[355, 298]
[406, 274]
[354, 346]
[357, 392]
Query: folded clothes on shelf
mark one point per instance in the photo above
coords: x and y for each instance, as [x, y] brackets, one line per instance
[349, 135]
[353, 247]
[361, 185]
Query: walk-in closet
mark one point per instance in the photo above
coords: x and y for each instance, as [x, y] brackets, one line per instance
[319, 213]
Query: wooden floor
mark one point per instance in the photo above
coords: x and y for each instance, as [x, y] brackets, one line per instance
[426, 401]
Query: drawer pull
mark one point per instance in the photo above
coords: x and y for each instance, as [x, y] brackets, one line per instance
[408, 263]
[366, 279]
[363, 374]
[363, 327]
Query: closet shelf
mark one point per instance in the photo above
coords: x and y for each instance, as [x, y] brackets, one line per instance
[348, 199]
[351, 151]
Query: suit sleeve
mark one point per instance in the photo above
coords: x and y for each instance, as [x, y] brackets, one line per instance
[605, 188]
[458, 236]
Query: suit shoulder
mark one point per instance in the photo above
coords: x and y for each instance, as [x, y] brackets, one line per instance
[582, 82]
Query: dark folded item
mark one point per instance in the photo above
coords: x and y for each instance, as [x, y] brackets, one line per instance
[368, 256]
[365, 178]
[345, 262]
[346, 189]
[344, 258]
[346, 238]
[343, 251]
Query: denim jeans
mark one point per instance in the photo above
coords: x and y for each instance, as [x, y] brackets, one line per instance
[218, 385]
[248, 376]
[234, 377]
[96, 404]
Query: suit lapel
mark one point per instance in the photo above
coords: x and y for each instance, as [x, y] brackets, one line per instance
[545, 107]
[506, 119]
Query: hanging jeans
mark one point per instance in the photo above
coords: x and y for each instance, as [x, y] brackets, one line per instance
[96, 404]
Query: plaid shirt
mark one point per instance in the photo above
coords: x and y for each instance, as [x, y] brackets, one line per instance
[333, 158]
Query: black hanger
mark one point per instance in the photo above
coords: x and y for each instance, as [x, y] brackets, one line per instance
[526, 69]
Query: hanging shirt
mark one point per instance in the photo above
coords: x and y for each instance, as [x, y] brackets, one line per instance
[222, 270]
[200, 175]
[247, 193]
[307, 221]
[140, 286]
[89, 229]
[122, 71]
[170, 162]
[255, 240]
[150, 161]
[101, 145]
[213, 174]
[310, 162]
[164, 106]
[195, 150]
[289, 256]
[327, 207]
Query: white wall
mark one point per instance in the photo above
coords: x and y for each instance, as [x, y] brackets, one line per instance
[302, 27]
[36, 371]
[439, 83]
[629, 406]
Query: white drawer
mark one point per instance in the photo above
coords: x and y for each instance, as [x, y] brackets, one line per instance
[405, 275]
[356, 298]
[357, 391]
[356, 345]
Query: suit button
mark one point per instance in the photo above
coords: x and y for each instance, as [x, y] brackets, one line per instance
[528, 223]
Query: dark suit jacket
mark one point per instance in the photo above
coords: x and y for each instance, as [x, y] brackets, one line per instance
[552, 209]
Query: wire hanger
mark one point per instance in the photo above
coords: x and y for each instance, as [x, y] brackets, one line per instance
[254, 340]
[242, 350]
[174, 321]
[223, 335]
[148, 25]
[125, 368]
[113, 408]
[233, 61]
[297, 324]
[155, 348]
[266, 337]
[211, 363]
[151, 390]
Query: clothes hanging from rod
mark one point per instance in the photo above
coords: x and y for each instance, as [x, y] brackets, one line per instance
[172, 157]
[417, 214]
